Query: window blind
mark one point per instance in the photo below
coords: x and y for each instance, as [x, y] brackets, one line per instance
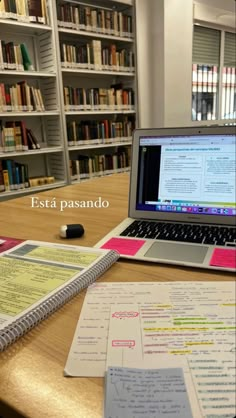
[206, 45]
[230, 50]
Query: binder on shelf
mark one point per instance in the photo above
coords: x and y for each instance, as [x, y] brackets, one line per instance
[27, 63]
[55, 274]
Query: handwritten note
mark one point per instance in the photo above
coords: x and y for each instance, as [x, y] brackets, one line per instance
[146, 393]
[124, 246]
[211, 378]
[224, 258]
[125, 332]
[215, 382]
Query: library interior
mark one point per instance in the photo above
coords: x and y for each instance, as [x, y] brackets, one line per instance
[117, 208]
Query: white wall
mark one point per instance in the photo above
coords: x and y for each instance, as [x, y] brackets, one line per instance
[164, 62]
[178, 62]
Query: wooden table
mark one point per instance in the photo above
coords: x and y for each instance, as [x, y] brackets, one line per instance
[31, 370]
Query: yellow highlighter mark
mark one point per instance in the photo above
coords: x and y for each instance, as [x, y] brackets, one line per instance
[199, 343]
[26, 283]
[164, 306]
[228, 304]
[60, 255]
[174, 329]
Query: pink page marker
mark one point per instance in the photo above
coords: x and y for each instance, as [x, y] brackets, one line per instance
[124, 246]
[224, 258]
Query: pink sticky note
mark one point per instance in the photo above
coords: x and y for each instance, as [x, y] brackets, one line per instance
[9, 243]
[224, 258]
[124, 246]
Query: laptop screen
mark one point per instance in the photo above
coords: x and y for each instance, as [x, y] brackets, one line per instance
[192, 174]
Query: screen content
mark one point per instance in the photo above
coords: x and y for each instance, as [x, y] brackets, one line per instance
[187, 174]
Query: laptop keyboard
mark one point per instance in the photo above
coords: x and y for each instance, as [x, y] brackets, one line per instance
[195, 233]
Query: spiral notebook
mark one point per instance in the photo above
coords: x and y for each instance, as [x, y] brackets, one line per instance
[36, 278]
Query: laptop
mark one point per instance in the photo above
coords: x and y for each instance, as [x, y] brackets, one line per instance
[181, 199]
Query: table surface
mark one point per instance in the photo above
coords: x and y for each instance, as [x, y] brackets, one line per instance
[31, 370]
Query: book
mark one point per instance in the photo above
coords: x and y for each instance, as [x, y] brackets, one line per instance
[32, 140]
[40, 277]
[35, 11]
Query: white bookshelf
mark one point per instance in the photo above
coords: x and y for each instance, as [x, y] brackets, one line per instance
[50, 160]
[49, 126]
[78, 75]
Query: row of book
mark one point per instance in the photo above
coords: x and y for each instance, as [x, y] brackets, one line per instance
[13, 175]
[114, 98]
[28, 11]
[228, 101]
[86, 166]
[20, 97]
[94, 56]
[99, 132]
[15, 57]
[90, 18]
[15, 136]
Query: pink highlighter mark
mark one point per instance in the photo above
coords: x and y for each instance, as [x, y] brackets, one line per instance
[126, 314]
[224, 258]
[124, 246]
[123, 343]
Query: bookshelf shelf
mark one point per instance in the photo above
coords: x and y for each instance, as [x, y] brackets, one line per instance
[85, 177]
[27, 113]
[17, 26]
[100, 112]
[104, 145]
[94, 34]
[37, 74]
[30, 152]
[30, 190]
[97, 72]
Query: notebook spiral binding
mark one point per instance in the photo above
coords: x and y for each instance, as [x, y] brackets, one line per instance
[24, 324]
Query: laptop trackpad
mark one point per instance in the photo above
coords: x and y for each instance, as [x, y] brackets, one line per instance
[177, 252]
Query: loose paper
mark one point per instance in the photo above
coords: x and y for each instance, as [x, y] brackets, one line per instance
[175, 317]
[212, 379]
[146, 393]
